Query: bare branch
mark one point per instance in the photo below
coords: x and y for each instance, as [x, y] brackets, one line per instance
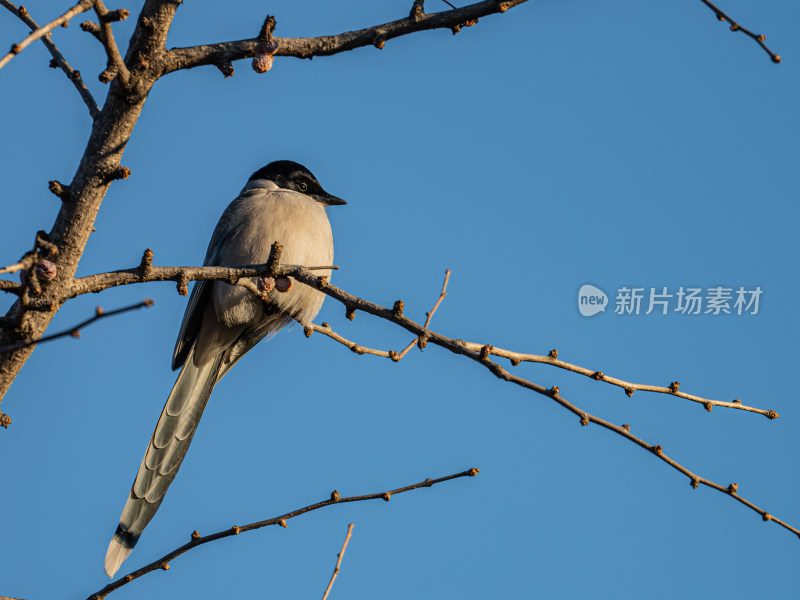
[63, 20]
[58, 58]
[75, 330]
[629, 387]
[116, 66]
[241, 275]
[326, 329]
[759, 38]
[146, 272]
[226, 52]
[338, 561]
[24, 263]
[482, 357]
[198, 540]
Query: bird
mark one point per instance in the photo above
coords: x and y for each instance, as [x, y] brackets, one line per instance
[284, 202]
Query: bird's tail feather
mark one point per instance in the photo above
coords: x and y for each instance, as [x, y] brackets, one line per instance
[164, 455]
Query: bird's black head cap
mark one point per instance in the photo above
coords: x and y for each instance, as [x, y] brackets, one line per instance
[289, 175]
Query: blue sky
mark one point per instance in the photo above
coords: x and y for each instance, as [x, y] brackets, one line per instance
[562, 143]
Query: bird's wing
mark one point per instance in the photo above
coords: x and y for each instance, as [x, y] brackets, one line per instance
[193, 317]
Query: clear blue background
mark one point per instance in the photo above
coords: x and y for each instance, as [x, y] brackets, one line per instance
[614, 143]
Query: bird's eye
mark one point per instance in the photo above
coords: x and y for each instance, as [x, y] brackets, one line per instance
[302, 186]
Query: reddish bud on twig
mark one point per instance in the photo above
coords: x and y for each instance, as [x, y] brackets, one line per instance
[46, 270]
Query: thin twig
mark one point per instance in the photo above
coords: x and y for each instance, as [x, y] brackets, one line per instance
[73, 75]
[629, 387]
[116, 66]
[326, 329]
[759, 38]
[482, 357]
[82, 6]
[338, 562]
[198, 540]
[75, 330]
[25, 263]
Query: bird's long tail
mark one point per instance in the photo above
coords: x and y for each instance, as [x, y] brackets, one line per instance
[164, 455]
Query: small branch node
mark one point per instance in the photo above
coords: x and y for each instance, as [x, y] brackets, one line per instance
[515, 362]
[387, 496]
[235, 530]
[555, 390]
[674, 386]
[59, 189]
[146, 266]
[91, 27]
[226, 68]
[350, 313]
[335, 495]
[629, 391]
[5, 420]
[183, 284]
[274, 259]
[473, 471]
[553, 353]
[195, 535]
[766, 517]
[657, 450]
[165, 567]
[308, 331]
[771, 415]
[266, 48]
[422, 340]
[118, 14]
[708, 406]
[584, 420]
[694, 483]
[118, 172]
[598, 376]
[282, 523]
[626, 427]
[733, 488]
[397, 309]
[485, 351]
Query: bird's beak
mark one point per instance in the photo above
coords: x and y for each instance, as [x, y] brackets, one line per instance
[329, 200]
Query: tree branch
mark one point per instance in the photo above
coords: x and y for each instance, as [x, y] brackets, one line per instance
[338, 561]
[63, 20]
[758, 38]
[226, 52]
[198, 540]
[353, 303]
[74, 331]
[98, 167]
[58, 58]
[116, 66]
[241, 276]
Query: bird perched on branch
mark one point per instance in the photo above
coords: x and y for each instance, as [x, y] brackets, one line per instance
[281, 202]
